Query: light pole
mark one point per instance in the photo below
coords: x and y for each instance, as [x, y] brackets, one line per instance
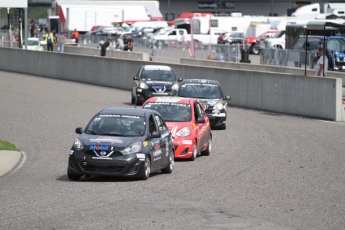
[168, 10]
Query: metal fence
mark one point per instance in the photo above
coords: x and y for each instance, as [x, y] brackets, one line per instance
[287, 58]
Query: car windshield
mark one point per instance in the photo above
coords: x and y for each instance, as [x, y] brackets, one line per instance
[200, 90]
[161, 32]
[116, 125]
[32, 43]
[171, 112]
[158, 74]
[280, 34]
[338, 45]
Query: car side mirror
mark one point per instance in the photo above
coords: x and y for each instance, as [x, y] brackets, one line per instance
[200, 120]
[79, 130]
[179, 80]
[135, 78]
[155, 134]
[227, 98]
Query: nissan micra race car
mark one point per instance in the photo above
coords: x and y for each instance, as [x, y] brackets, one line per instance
[188, 124]
[122, 142]
[153, 80]
[210, 95]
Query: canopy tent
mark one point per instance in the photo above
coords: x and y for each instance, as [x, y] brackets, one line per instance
[321, 26]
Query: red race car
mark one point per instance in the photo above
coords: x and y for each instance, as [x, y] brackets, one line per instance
[188, 123]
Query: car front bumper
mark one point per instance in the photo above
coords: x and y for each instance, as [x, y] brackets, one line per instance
[144, 94]
[217, 119]
[183, 147]
[127, 165]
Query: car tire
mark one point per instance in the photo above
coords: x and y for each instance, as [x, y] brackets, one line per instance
[171, 163]
[146, 169]
[74, 177]
[194, 153]
[207, 152]
[254, 49]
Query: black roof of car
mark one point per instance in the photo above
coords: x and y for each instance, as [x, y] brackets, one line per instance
[126, 111]
[208, 81]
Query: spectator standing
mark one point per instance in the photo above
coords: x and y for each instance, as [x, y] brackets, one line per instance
[125, 42]
[32, 29]
[321, 65]
[104, 47]
[120, 45]
[61, 42]
[153, 52]
[75, 35]
[129, 42]
[49, 39]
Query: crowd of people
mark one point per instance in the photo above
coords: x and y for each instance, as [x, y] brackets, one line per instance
[50, 37]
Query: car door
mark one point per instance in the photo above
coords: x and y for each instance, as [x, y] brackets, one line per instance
[135, 83]
[202, 127]
[163, 142]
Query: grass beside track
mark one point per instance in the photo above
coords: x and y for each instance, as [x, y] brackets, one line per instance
[4, 145]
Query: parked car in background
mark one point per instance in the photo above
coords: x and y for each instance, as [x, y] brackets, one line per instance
[109, 31]
[33, 44]
[254, 41]
[153, 80]
[188, 123]
[210, 94]
[277, 42]
[122, 142]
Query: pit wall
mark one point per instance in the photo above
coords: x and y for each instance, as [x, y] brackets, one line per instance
[264, 68]
[274, 92]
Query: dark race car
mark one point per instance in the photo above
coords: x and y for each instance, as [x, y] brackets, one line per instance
[122, 142]
[153, 80]
[188, 124]
[210, 95]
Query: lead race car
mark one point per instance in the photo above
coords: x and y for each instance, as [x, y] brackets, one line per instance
[122, 142]
[210, 95]
[153, 80]
[188, 123]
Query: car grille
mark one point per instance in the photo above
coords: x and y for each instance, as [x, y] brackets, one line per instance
[106, 167]
[93, 153]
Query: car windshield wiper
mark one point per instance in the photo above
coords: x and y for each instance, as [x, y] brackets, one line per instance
[111, 134]
[90, 131]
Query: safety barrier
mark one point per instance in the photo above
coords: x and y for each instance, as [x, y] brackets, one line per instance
[275, 92]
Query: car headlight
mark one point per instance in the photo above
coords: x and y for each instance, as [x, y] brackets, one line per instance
[143, 85]
[78, 145]
[133, 148]
[338, 59]
[175, 86]
[219, 106]
[184, 132]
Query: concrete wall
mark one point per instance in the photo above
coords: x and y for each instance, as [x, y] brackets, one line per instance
[93, 52]
[282, 93]
[253, 67]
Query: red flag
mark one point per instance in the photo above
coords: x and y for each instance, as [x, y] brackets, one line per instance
[191, 45]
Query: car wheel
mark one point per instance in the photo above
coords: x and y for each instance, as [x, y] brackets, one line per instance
[147, 169]
[194, 153]
[207, 152]
[171, 163]
[74, 177]
[256, 50]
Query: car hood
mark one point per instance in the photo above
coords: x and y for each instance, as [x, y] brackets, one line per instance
[174, 127]
[101, 141]
[209, 102]
[154, 82]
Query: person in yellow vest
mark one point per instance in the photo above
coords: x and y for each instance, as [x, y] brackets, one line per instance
[49, 39]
